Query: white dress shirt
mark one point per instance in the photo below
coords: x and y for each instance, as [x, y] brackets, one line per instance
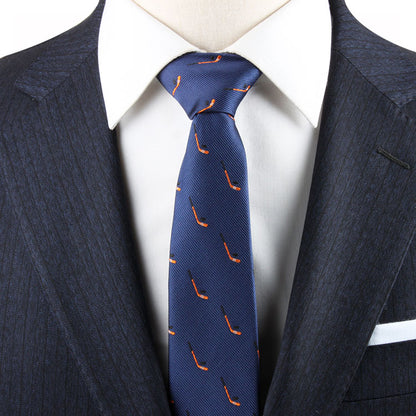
[278, 122]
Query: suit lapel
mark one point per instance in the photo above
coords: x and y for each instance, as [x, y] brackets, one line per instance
[359, 224]
[62, 169]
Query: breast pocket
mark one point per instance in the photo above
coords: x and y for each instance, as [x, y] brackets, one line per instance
[385, 381]
[393, 332]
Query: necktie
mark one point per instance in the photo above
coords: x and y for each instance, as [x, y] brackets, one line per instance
[213, 343]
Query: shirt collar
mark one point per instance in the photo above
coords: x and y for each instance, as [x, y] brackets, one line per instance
[290, 47]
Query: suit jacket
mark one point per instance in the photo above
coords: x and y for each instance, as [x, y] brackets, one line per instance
[74, 334]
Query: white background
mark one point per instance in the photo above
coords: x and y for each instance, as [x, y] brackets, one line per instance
[24, 23]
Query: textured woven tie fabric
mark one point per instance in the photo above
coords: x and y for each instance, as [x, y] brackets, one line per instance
[213, 342]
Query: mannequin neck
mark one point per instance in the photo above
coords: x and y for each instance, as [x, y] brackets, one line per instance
[211, 25]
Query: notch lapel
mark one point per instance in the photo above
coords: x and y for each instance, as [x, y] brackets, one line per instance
[359, 224]
[61, 166]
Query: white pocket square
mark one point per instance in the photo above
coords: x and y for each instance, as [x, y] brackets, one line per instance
[393, 332]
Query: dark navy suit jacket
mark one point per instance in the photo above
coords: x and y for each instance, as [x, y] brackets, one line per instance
[74, 337]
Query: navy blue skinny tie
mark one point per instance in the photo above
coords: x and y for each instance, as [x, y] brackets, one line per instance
[213, 343]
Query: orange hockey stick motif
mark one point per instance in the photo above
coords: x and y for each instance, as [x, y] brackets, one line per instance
[201, 148]
[233, 330]
[200, 294]
[178, 81]
[201, 220]
[231, 400]
[217, 59]
[231, 257]
[171, 260]
[246, 88]
[257, 349]
[234, 184]
[202, 365]
[171, 331]
[213, 61]
[208, 107]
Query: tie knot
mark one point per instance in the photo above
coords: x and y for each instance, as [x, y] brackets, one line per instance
[205, 82]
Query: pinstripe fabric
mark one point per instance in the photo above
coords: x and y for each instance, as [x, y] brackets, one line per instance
[391, 69]
[359, 225]
[370, 380]
[62, 165]
[384, 383]
[401, 303]
[38, 374]
[74, 337]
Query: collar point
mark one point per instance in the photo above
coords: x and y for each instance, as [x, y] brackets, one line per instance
[112, 121]
[313, 115]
